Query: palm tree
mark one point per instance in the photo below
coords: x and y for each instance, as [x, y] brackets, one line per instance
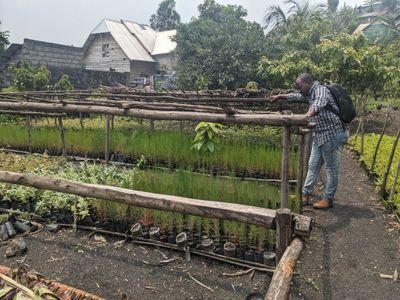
[275, 15]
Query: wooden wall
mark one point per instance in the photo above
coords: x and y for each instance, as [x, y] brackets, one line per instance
[115, 59]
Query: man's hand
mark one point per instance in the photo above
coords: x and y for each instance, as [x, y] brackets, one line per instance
[274, 98]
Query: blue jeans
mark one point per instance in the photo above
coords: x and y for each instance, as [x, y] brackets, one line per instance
[328, 153]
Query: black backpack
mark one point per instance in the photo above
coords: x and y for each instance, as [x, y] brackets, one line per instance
[347, 112]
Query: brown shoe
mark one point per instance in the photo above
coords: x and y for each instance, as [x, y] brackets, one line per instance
[305, 199]
[322, 204]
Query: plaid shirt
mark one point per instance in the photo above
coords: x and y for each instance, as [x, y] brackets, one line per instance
[327, 123]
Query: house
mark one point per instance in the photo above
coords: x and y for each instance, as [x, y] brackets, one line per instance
[115, 51]
[125, 46]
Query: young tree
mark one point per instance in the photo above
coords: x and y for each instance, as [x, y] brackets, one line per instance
[166, 17]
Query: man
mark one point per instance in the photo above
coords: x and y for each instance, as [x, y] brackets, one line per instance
[329, 137]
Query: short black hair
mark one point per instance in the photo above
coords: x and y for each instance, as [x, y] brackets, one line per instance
[306, 78]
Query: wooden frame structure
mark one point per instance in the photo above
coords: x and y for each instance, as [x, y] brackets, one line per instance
[161, 107]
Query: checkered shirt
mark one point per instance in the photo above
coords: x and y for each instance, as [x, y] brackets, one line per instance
[327, 123]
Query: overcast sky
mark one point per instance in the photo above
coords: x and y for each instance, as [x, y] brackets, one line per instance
[69, 22]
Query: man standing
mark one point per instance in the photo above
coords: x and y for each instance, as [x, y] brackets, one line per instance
[329, 137]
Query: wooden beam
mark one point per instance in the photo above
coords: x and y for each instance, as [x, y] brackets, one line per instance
[211, 209]
[28, 113]
[249, 119]
[279, 287]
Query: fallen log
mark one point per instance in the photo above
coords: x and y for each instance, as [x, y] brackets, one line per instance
[279, 287]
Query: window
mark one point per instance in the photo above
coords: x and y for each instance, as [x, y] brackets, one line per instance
[105, 50]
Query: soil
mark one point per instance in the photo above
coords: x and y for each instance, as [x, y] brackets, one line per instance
[351, 244]
[113, 272]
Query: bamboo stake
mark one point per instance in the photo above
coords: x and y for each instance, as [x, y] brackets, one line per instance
[389, 165]
[379, 142]
[396, 177]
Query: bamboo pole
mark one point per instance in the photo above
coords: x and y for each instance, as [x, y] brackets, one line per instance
[285, 167]
[29, 126]
[63, 147]
[107, 139]
[237, 212]
[250, 119]
[389, 165]
[379, 143]
[279, 287]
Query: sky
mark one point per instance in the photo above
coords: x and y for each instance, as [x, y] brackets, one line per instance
[69, 22]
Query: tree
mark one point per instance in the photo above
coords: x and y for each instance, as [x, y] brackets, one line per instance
[27, 77]
[3, 40]
[219, 49]
[166, 17]
[276, 16]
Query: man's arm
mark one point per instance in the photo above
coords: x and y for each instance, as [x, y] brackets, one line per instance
[289, 97]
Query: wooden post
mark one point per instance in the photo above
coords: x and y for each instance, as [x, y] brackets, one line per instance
[151, 125]
[81, 120]
[29, 126]
[307, 152]
[389, 165]
[107, 139]
[112, 122]
[279, 287]
[284, 231]
[63, 147]
[362, 135]
[300, 164]
[285, 167]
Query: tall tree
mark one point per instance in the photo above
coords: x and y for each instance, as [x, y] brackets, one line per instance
[166, 18]
[3, 40]
[277, 16]
[219, 49]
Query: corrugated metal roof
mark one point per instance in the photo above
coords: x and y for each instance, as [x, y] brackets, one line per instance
[144, 33]
[163, 43]
[131, 46]
[138, 41]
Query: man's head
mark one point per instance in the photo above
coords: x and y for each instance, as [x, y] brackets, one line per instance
[303, 83]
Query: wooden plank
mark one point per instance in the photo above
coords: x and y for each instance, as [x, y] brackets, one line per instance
[230, 211]
[279, 287]
[249, 119]
[284, 231]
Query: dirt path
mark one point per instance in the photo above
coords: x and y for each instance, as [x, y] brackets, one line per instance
[350, 244]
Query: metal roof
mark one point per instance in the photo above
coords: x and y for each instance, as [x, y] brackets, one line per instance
[137, 41]
[129, 43]
[163, 43]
